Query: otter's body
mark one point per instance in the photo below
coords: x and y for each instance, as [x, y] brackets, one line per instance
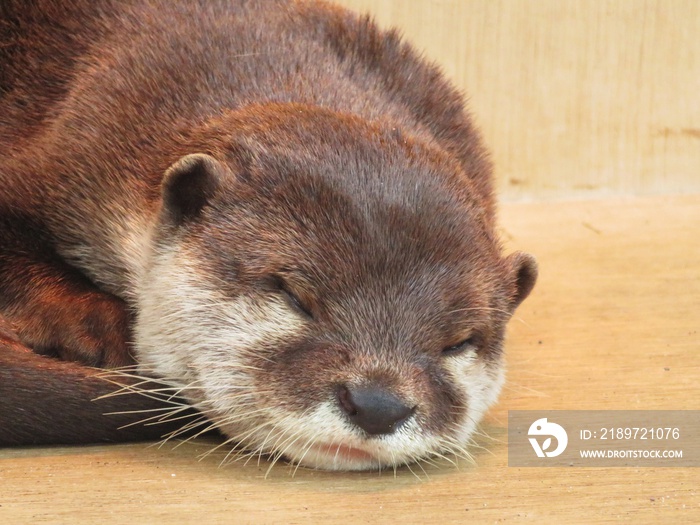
[274, 207]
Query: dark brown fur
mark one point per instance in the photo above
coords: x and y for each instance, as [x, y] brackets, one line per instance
[99, 98]
[45, 401]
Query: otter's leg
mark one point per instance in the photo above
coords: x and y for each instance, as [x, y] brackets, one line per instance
[53, 308]
[47, 401]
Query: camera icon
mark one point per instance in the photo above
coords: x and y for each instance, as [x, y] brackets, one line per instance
[548, 430]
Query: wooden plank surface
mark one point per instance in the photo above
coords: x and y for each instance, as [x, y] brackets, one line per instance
[613, 324]
[575, 97]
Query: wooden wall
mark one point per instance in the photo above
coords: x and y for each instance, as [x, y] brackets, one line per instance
[576, 98]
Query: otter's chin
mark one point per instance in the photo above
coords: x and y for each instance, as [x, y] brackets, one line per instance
[337, 456]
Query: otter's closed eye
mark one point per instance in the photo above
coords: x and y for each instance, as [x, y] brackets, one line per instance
[467, 345]
[293, 299]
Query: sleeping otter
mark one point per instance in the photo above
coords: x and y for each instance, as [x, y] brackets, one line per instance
[275, 210]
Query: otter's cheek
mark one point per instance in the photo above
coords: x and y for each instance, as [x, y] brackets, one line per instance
[480, 381]
[188, 332]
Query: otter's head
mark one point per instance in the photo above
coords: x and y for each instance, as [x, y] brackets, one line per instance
[329, 290]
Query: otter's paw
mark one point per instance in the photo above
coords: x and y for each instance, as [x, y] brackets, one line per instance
[92, 329]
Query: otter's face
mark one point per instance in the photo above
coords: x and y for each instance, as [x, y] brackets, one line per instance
[342, 313]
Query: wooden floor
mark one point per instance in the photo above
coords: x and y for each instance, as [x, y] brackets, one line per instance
[614, 323]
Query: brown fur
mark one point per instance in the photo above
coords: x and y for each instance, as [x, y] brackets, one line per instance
[325, 135]
[45, 401]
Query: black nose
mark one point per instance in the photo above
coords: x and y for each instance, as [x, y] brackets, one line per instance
[373, 409]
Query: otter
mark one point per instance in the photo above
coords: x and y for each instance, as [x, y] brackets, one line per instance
[271, 213]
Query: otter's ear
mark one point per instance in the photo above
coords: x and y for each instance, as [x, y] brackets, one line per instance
[522, 268]
[188, 185]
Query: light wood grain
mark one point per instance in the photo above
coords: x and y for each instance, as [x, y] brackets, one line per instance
[576, 98]
[613, 324]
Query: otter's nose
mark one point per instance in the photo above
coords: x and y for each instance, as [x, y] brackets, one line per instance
[373, 409]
